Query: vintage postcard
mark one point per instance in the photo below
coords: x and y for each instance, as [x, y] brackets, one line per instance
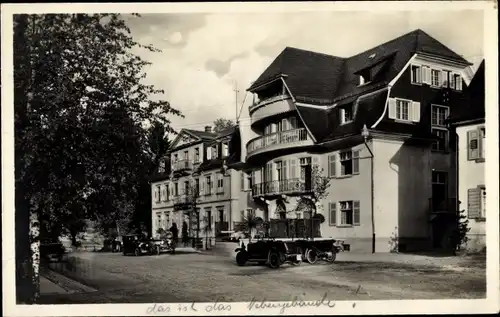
[250, 158]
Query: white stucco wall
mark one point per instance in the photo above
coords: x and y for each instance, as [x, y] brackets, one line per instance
[470, 175]
[402, 176]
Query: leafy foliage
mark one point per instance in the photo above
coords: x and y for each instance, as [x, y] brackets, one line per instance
[83, 116]
[222, 124]
[459, 236]
[249, 223]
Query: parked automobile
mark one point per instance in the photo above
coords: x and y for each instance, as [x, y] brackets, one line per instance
[167, 244]
[52, 252]
[136, 244]
[274, 253]
[314, 250]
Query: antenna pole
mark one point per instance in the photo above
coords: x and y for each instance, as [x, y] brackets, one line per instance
[236, 99]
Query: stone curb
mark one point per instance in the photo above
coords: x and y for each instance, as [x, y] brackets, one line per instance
[71, 286]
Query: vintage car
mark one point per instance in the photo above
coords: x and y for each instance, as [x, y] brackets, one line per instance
[164, 244]
[274, 253]
[136, 245]
[324, 249]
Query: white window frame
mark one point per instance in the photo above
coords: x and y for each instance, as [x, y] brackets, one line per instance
[208, 185]
[220, 182]
[343, 112]
[457, 84]
[342, 209]
[196, 155]
[439, 79]
[342, 173]
[419, 74]
[410, 103]
[440, 126]
[445, 81]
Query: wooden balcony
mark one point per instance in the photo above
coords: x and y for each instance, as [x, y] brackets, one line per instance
[277, 140]
[281, 187]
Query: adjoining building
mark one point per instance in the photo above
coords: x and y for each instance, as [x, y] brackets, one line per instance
[393, 187]
[468, 125]
[200, 191]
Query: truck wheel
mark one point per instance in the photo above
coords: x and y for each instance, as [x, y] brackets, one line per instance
[274, 261]
[311, 256]
[241, 258]
[332, 257]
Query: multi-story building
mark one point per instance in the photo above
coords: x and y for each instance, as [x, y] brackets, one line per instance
[201, 182]
[392, 186]
[468, 125]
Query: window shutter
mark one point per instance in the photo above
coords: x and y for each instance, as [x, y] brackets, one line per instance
[458, 84]
[242, 180]
[444, 78]
[452, 80]
[426, 75]
[472, 145]
[415, 116]
[285, 170]
[355, 162]
[392, 108]
[332, 167]
[333, 213]
[293, 169]
[474, 203]
[356, 212]
[342, 115]
[481, 144]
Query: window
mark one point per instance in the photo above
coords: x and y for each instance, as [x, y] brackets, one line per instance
[208, 183]
[346, 213]
[157, 194]
[220, 183]
[225, 149]
[161, 169]
[346, 114]
[402, 110]
[457, 82]
[293, 123]
[186, 188]
[215, 152]
[446, 78]
[416, 74]
[242, 181]
[176, 189]
[176, 157]
[483, 203]
[167, 192]
[196, 155]
[197, 185]
[249, 181]
[435, 78]
[332, 167]
[209, 153]
[476, 143]
[365, 77]
[208, 215]
[438, 117]
[158, 221]
[349, 162]
[186, 155]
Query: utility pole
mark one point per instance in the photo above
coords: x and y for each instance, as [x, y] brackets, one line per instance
[236, 91]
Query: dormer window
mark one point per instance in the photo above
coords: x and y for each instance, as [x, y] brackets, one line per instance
[365, 77]
[346, 114]
[215, 152]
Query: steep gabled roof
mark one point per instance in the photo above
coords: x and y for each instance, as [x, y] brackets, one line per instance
[474, 107]
[318, 78]
[308, 75]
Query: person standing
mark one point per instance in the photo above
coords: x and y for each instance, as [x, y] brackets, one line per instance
[175, 232]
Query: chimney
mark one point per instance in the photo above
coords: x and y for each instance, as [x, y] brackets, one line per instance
[208, 128]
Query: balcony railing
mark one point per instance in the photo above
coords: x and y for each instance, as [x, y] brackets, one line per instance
[286, 186]
[267, 101]
[182, 165]
[182, 200]
[282, 137]
[447, 205]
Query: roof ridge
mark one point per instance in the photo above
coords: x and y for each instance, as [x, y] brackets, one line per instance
[385, 43]
[314, 52]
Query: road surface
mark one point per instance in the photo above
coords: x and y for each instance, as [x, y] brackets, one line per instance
[206, 278]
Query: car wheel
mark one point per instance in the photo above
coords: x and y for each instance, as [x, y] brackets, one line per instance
[241, 258]
[331, 258]
[311, 256]
[137, 252]
[274, 261]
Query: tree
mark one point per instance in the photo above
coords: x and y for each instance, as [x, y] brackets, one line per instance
[222, 124]
[309, 202]
[82, 117]
[459, 236]
[249, 224]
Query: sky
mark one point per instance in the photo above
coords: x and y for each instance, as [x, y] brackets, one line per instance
[206, 56]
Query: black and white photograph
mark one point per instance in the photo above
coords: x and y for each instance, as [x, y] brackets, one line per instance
[250, 158]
